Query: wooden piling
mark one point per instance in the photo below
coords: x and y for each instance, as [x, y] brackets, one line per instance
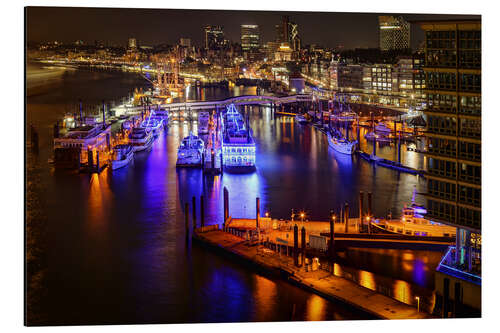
[257, 212]
[303, 243]
[90, 159]
[296, 246]
[226, 205]
[194, 212]
[346, 217]
[186, 218]
[370, 211]
[332, 236]
[97, 162]
[202, 212]
[361, 195]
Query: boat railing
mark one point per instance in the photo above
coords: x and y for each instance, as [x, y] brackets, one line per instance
[459, 268]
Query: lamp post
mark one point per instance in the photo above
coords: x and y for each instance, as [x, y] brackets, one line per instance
[418, 303]
[302, 215]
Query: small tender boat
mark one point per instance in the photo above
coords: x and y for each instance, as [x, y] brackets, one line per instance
[190, 151]
[382, 128]
[370, 136]
[124, 154]
[140, 139]
[300, 119]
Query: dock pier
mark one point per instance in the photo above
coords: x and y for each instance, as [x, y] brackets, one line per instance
[271, 260]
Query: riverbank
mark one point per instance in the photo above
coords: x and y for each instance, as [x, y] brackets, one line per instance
[320, 282]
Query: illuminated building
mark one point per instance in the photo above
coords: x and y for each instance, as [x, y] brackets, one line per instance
[453, 88]
[283, 53]
[288, 32]
[185, 42]
[249, 37]
[132, 43]
[394, 33]
[214, 37]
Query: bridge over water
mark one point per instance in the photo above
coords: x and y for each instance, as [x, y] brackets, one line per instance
[272, 101]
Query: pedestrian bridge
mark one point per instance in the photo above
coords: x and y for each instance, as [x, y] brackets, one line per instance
[273, 101]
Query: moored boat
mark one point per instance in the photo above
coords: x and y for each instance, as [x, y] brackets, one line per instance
[124, 154]
[153, 125]
[370, 136]
[300, 119]
[190, 151]
[340, 143]
[413, 223]
[140, 139]
[238, 146]
[382, 128]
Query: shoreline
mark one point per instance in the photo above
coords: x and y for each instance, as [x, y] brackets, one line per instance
[322, 283]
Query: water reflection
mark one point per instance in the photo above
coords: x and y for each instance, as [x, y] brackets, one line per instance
[117, 245]
[367, 280]
[315, 308]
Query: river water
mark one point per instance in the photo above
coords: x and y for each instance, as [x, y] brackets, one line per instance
[111, 248]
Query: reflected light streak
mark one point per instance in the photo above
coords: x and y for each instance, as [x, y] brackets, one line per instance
[315, 308]
[367, 280]
[402, 291]
[265, 296]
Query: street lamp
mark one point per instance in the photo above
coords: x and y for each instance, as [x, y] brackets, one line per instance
[302, 215]
[418, 303]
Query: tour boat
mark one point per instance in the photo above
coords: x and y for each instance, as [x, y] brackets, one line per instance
[152, 124]
[238, 146]
[413, 223]
[300, 119]
[203, 122]
[84, 137]
[140, 139]
[123, 155]
[340, 143]
[190, 151]
[346, 116]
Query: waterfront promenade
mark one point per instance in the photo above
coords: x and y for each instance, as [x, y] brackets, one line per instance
[321, 282]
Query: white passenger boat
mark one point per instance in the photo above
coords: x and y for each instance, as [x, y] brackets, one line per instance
[340, 143]
[124, 154]
[238, 146]
[190, 151]
[300, 119]
[152, 124]
[413, 223]
[140, 139]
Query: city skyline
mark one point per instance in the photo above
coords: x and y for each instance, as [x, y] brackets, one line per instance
[161, 26]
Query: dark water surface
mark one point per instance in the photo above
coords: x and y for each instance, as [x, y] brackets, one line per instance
[114, 247]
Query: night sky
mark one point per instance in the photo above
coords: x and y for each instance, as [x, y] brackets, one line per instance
[155, 26]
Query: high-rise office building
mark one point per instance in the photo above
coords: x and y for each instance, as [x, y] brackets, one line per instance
[394, 33]
[453, 89]
[250, 37]
[288, 32]
[185, 42]
[132, 43]
[214, 37]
